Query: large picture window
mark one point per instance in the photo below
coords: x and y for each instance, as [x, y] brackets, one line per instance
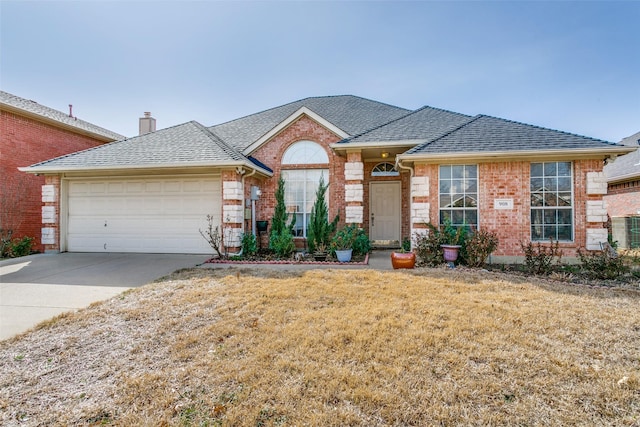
[301, 183]
[459, 195]
[300, 193]
[551, 201]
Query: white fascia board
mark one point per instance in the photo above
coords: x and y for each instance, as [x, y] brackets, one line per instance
[56, 170]
[585, 153]
[626, 177]
[376, 144]
[292, 118]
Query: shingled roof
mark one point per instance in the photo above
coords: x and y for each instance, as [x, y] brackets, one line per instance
[625, 167]
[188, 144]
[352, 114]
[25, 106]
[486, 134]
[424, 124]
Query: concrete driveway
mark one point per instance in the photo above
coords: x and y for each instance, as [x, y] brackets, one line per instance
[38, 287]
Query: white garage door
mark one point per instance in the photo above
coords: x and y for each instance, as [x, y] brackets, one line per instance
[149, 215]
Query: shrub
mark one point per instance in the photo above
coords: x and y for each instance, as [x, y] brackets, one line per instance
[539, 257]
[477, 247]
[361, 244]
[427, 246]
[5, 242]
[249, 244]
[406, 244]
[605, 264]
[319, 229]
[213, 236]
[21, 247]
[281, 233]
[344, 238]
[282, 243]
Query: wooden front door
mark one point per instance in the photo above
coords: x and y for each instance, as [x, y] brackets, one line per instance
[384, 212]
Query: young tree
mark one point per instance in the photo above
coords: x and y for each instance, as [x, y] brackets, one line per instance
[281, 236]
[319, 230]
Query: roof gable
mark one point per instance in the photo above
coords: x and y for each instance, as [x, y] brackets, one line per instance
[33, 109]
[348, 114]
[625, 167]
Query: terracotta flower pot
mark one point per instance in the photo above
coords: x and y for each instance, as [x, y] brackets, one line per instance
[403, 259]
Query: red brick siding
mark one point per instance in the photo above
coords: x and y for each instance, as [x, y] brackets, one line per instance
[510, 180]
[623, 199]
[271, 153]
[23, 142]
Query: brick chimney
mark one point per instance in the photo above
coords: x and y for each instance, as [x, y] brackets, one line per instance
[147, 124]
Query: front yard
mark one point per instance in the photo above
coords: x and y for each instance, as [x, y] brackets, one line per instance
[333, 348]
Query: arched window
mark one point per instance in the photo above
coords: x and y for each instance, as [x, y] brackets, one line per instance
[301, 183]
[385, 169]
[305, 153]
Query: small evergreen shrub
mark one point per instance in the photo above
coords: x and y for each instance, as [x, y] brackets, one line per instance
[282, 244]
[539, 258]
[281, 235]
[319, 229]
[477, 247]
[249, 245]
[605, 264]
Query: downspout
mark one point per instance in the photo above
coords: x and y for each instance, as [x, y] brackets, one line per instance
[411, 172]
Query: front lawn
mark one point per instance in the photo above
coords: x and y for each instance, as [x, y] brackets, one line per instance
[333, 348]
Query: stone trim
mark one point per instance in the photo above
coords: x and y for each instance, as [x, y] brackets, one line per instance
[354, 214]
[232, 190]
[596, 237]
[354, 171]
[353, 193]
[420, 186]
[596, 211]
[596, 183]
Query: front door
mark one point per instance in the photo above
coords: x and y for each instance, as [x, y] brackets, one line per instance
[384, 212]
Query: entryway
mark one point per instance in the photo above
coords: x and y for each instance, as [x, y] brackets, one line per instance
[385, 212]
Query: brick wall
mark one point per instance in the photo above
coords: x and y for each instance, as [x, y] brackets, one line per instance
[23, 142]
[510, 180]
[271, 153]
[623, 199]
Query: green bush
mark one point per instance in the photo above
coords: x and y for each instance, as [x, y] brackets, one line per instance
[477, 247]
[539, 258]
[319, 229]
[5, 242]
[282, 244]
[361, 244]
[249, 244]
[21, 247]
[604, 264]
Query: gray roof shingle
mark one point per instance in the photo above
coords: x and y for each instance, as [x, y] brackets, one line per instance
[33, 107]
[186, 144]
[424, 124]
[625, 167]
[351, 114]
[491, 134]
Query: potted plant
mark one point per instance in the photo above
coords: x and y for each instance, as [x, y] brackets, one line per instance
[342, 242]
[404, 258]
[453, 238]
[320, 252]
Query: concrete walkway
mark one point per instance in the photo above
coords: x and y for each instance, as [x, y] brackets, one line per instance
[39, 287]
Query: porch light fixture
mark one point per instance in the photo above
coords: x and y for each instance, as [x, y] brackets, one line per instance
[384, 154]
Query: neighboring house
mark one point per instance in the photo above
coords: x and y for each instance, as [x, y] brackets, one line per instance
[390, 171]
[29, 133]
[623, 196]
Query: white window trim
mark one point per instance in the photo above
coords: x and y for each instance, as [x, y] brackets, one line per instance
[478, 211]
[573, 205]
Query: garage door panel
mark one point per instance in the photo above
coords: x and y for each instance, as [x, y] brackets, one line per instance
[154, 216]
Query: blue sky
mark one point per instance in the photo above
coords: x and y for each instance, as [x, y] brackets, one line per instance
[572, 66]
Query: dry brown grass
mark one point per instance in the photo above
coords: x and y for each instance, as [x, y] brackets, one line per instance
[333, 348]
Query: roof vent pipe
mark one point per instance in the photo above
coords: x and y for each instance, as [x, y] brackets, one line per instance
[147, 124]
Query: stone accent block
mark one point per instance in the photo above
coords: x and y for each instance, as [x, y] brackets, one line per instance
[232, 190]
[49, 215]
[232, 214]
[596, 211]
[233, 237]
[354, 171]
[420, 213]
[420, 186]
[48, 236]
[48, 193]
[354, 214]
[353, 193]
[596, 237]
[596, 183]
